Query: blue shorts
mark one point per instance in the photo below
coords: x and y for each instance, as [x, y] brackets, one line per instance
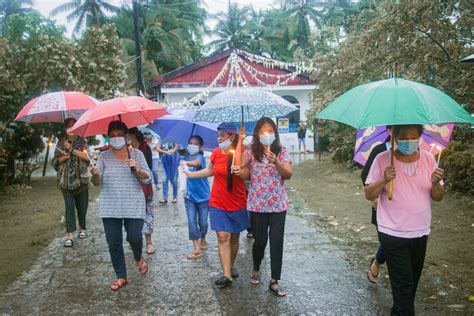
[230, 222]
[302, 141]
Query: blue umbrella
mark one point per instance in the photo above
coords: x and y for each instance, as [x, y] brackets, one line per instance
[179, 127]
[244, 105]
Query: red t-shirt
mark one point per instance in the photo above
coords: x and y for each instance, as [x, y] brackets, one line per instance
[221, 198]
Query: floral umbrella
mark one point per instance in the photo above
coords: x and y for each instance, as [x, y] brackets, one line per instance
[244, 105]
[56, 107]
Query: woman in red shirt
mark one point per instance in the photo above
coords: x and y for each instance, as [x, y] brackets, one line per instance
[228, 201]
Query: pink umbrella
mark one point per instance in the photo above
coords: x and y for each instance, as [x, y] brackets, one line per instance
[133, 111]
[56, 107]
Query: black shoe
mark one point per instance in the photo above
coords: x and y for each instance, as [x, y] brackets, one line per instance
[223, 281]
[234, 273]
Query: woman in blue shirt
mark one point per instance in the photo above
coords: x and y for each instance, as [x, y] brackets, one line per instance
[196, 198]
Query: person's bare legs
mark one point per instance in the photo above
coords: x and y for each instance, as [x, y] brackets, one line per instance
[150, 249]
[225, 254]
[234, 246]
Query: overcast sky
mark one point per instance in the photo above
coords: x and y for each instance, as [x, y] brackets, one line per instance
[213, 6]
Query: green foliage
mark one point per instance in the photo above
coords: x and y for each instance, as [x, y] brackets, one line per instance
[36, 58]
[421, 36]
[458, 162]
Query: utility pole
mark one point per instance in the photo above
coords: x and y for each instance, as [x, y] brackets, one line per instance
[138, 56]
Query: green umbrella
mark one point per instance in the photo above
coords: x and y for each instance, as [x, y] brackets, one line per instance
[394, 102]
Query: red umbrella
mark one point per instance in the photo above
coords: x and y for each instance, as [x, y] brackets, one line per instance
[56, 107]
[133, 111]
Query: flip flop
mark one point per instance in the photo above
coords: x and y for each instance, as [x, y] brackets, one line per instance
[143, 266]
[194, 255]
[116, 285]
[204, 247]
[174, 201]
[150, 249]
[163, 201]
[370, 273]
[255, 279]
[277, 290]
[83, 234]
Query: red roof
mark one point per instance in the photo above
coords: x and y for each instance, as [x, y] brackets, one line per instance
[202, 72]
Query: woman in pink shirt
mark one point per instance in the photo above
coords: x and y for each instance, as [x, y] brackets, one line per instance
[404, 222]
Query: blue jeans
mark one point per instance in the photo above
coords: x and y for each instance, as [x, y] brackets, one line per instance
[154, 170]
[174, 183]
[198, 214]
[113, 234]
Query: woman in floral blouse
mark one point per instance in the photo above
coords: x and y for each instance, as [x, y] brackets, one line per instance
[267, 164]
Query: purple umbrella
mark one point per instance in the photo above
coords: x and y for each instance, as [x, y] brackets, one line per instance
[434, 139]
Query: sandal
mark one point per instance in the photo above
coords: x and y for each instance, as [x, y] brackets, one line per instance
[204, 246]
[142, 266]
[117, 285]
[163, 201]
[83, 235]
[150, 249]
[174, 200]
[277, 290]
[68, 243]
[194, 255]
[370, 274]
[223, 281]
[255, 278]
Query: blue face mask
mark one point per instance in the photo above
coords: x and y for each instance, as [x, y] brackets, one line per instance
[267, 140]
[193, 149]
[225, 144]
[408, 147]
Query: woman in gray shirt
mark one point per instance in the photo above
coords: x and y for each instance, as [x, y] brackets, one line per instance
[120, 173]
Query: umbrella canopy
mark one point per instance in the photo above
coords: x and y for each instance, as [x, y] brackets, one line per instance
[434, 139]
[243, 104]
[394, 102]
[178, 126]
[56, 107]
[133, 111]
[468, 59]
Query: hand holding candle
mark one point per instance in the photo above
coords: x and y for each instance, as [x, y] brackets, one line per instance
[440, 150]
[268, 140]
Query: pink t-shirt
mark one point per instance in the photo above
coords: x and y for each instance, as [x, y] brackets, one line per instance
[408, 214]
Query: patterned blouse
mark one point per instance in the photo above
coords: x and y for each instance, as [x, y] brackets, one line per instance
[267, 190]
[121, 194]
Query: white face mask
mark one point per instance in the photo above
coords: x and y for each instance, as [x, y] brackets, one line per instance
[193, 149]
[117, 142]
[267, 140]
[225, 144]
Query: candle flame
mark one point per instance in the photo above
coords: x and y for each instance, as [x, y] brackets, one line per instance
[232, 151]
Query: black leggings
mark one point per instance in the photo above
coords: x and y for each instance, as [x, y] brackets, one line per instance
[273, 225]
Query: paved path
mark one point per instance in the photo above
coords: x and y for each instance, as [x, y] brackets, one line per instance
[75, 281]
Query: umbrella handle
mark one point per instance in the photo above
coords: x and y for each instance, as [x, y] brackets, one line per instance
[390, 190]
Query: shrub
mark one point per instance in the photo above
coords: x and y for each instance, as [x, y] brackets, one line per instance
[458, 162]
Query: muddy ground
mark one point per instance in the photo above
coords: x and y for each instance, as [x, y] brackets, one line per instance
[30, 217]
[334, 197]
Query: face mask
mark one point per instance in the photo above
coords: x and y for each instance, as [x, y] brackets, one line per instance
[408, 147]
[225, 144]
[267, 140]
[117, 142]
[193, 149]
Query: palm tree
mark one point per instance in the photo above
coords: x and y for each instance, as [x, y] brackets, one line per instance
[304, 11]
[88, 12]
[230, 29]
[10, 7]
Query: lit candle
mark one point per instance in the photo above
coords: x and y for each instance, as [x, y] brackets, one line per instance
[439, 154]
[90, 160]
[233, 156]
[268, 140]
[432, 147]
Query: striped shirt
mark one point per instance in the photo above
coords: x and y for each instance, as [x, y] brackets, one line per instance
[121, 194]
